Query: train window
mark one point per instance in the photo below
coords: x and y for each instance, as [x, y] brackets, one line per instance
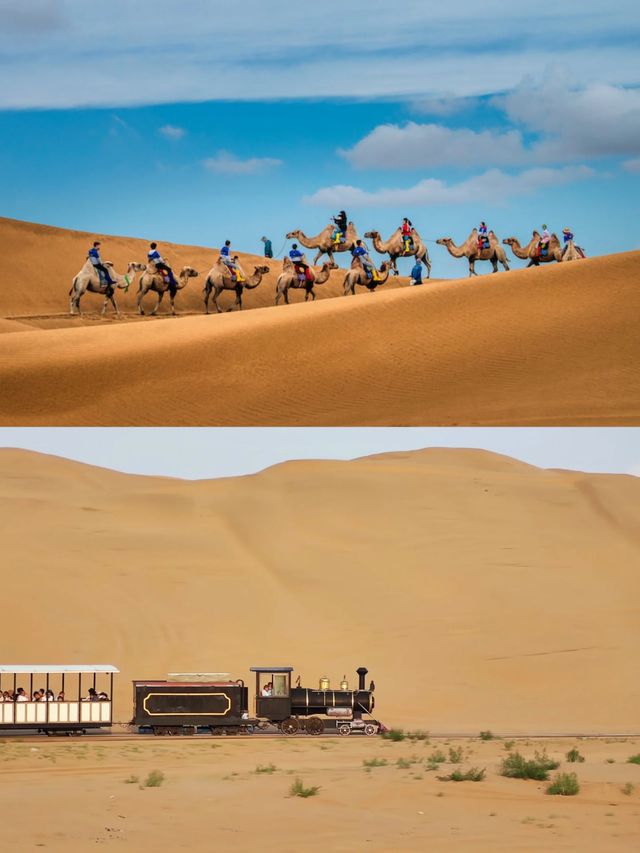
[280, 685]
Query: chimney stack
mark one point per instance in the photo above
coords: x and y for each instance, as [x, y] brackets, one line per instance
[362, 671]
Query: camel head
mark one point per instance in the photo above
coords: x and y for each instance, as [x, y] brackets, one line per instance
[330, 265]
[444, 241]
[509, 241]
[371, 235]
[134, 267]
[293, 235]
[263, 270]
[188, 272]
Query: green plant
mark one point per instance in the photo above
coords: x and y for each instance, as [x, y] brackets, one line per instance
[403, 763]
[437, 757]
[634, 759]
[455, 755]
[394, 735]
[471, 775]
[374, 762]
[154, 779]
[297, 789]
[488, 735]
[565, 784]
[132, 780]
[516, 766]
[573, 756]
[418, 735]
[509, 744]
[628, 789]
[265, 768]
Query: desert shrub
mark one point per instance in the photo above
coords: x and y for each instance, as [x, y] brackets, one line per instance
[418, 735]
[403, 763]
[565, 784]
[516, 766]
[634, 759]
[471, 775]
[437, 757]
[374, 762]
[455, 755]
[394, 735]
[573, 756]
[265, 768]
[132, 780]
[487, 735]
[297, 789]
[154, 779]
[628, 789]
[509, 744]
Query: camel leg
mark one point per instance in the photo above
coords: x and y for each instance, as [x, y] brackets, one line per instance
[494, 263]
[425, 260]
[505, 265]
[159, 300]
[173, 304]
[216, 293]
[206, 292]
[239, 298]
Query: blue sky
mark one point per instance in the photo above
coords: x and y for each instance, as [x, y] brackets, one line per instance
[198, 120]
[204, 453]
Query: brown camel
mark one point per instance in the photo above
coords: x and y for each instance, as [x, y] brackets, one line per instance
[357, 276]
[89, 280]
[289, 278]
[469, 249]
[219, 279]
[324, 241]
[571, 252]
[394, 247]
[530, 251]
[153, 279]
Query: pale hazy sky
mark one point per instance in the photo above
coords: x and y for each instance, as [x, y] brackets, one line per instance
[222, 452]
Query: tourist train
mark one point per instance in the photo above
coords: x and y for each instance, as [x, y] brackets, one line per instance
[74, 699]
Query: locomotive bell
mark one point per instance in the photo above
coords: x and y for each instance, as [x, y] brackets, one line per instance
[324, 683]
[344, 684]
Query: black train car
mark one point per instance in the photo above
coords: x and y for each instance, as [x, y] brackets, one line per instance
[298, 708]
[181, 707]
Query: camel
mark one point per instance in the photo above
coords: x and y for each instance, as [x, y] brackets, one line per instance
[530, 251]
[219, 279]
[357, 276]
[571, 252]
[88, 280]
[289, 278]
[394, 247]
[324, 241]
[469, 249]
[153, 279]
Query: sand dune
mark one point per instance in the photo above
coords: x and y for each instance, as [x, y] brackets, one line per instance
[549, 346]
[481, 592]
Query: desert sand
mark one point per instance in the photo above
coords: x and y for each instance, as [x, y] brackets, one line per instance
[552, 346]
[482, 593]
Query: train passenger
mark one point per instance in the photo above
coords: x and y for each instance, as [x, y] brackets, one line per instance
[92, 695]
[21, 696]
[267, 690]
[102, 696]
[60, 697]
[49, 697]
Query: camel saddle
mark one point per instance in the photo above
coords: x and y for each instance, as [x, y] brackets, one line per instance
[303, 274]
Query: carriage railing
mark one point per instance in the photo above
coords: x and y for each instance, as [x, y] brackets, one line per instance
[54, 713]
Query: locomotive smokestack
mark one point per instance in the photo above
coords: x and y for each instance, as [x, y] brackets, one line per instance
[362, 671]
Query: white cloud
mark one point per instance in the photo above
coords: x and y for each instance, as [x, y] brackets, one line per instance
[226, 163]
[491, 187]
[632, 166]
[415, 146]
[170, 131]
[105, 53]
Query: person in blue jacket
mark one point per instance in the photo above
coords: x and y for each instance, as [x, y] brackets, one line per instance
[416, 273]
[359, 251]
[297, 258]
[154, 257]
[96, 261]
[225, 254]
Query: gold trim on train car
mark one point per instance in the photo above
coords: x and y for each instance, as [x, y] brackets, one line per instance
[187, 713]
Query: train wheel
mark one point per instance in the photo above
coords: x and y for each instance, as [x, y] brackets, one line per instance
[290, 726]
[314, 726]
[344, 730]
[370, 730]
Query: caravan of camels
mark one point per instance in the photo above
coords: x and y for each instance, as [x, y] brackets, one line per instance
[339, 236]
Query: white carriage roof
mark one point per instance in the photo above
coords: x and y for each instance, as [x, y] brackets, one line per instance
[43, 668]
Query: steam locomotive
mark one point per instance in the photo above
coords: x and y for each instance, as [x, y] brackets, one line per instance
[192, 702]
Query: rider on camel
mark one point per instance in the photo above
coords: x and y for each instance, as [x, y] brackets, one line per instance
[230, 263]
[154, 257]
[483, 236]
[298, 261]
[96, 261]
[360, 252]
[340, 232]
[407, 239]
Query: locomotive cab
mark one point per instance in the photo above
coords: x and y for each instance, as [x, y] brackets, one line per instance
[273, 692]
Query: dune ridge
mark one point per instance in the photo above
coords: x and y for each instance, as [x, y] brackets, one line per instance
[481, 592]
